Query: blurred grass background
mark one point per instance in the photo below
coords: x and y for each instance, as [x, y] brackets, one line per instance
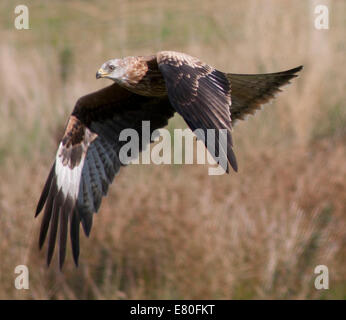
[173, 231]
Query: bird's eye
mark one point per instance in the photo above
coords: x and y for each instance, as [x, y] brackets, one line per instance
[111, 67]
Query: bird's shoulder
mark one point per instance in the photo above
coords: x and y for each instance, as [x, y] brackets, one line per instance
[179, 59]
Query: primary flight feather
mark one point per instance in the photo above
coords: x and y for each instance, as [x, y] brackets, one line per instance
[150, 88]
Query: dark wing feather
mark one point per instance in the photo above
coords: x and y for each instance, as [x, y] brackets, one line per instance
[250, 91]
[88, 159]
[201, 95]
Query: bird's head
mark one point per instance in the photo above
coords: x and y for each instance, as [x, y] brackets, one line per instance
[114, 69]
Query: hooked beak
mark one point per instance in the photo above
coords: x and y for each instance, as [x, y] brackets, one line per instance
[101, 73]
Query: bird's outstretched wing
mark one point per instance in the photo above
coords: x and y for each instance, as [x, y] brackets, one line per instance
[201, 95]
[88, 159]
[250, 91]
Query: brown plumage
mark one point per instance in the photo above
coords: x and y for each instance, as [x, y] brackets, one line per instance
[151, 89]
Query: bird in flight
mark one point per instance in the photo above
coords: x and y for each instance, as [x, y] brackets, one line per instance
[145, 88]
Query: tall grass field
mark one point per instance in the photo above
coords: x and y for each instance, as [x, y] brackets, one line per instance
[173, 231]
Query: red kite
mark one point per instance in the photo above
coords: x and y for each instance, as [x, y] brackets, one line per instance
[151, 89]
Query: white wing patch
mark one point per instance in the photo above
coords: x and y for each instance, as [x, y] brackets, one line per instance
[68, 179]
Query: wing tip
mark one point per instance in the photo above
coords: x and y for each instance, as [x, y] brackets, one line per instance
[37, 212]
[232, 158]
[45, 191]
[87, 221]
[76, 262]
[49, 259]
[292, 72]
[235, 167]
[61, 263]
[299, 68]
[40, 243]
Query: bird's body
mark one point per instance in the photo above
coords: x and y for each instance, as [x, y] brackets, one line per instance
[146, 88]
